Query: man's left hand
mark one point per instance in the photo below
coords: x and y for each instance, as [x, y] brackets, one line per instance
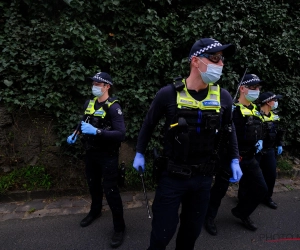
[236, 171]
[259, 146]
[87, 128]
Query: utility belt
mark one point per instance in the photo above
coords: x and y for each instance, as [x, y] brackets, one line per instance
[99, 154]
[105, 150]
[266, 150]
[183, 171]
[102, 151]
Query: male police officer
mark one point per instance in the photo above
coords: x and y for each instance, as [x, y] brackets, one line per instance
[273, 139]
[102, 137]
[195, 109]
[249, 131]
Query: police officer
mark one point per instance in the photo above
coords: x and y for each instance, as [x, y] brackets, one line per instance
[273, 138]
[249, 131]
[219, 189]
[195, 108]
[103, 131]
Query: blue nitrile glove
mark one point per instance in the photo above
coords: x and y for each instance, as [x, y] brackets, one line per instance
[70, 139]
[236, 171]
[279, 150]
[87, 128]
[139, 161]
[259, 146]
[233, 108]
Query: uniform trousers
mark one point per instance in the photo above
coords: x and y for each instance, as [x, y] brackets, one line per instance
[193, 195]
[217, 193]
[219, 188]
[253, 187]
[267, 163]
[102, 175]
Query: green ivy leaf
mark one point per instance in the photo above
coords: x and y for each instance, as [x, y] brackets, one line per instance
[8, 83]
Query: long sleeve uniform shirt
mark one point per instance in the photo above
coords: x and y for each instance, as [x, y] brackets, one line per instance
[164, 104]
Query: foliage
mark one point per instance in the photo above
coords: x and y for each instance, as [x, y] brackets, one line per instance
[133, 180]
[26, 178]
[31, 210]
[49, 48]
[284, 164]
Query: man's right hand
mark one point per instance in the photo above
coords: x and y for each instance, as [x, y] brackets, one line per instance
[139, 161]
[70, 139]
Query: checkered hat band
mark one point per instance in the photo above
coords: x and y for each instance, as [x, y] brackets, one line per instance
[269, 99]
[201, 51]
[101, 79]
[249, 81]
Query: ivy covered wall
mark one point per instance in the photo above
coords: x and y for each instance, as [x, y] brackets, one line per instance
[49, 47]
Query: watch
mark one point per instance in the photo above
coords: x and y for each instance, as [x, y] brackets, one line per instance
[98, 132]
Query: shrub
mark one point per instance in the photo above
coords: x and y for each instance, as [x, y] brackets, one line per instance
[26, 178]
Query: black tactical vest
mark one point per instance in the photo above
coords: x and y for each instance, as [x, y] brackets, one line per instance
[195, 125]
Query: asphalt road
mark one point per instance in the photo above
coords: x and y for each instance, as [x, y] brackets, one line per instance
[278, 229]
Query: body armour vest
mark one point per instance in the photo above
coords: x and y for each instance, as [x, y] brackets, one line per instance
[270, 126]
[100, 119]
[253, 130]
[193, 139]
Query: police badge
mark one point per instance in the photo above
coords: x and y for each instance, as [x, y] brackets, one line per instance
[119, 111]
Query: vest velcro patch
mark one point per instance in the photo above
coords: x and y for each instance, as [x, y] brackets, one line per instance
[211, 103]
[99, 112]
[186, 101]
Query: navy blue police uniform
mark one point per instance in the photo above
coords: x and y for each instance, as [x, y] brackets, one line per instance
[102, 159]
[103, 130]
[192, 192]
[273, 138]
[249, 130]
[192, 121]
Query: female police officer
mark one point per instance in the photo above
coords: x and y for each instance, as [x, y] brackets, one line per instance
[102, 137]
[273, 138]
[249, 131]
[193, 108]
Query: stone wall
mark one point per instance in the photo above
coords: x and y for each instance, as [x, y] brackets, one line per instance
[6, 122]
[28, 138]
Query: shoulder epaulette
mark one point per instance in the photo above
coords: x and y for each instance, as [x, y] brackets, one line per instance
[178, 84]
[109, 102]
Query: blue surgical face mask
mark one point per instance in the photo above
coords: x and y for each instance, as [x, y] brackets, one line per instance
[252, 95]
[275, 106]
[97, 91]
[212, 74]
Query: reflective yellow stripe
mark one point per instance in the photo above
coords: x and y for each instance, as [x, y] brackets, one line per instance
[211, 102]
[273, 117]
[100, 112]
[248, 112]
